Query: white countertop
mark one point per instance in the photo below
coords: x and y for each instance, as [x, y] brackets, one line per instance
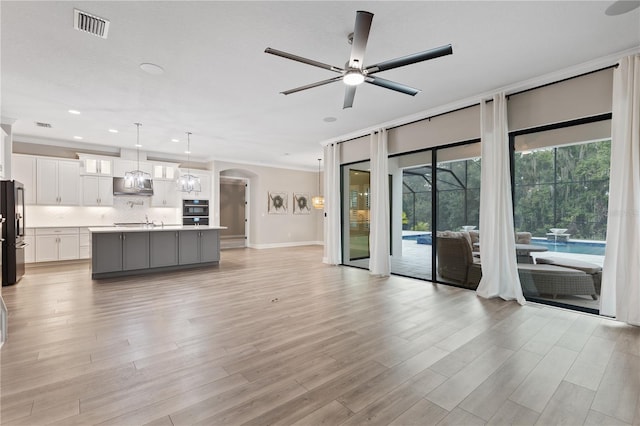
[111, 229]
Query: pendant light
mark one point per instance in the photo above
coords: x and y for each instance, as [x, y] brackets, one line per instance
[189, 182]
[318, 200]
[136, 178]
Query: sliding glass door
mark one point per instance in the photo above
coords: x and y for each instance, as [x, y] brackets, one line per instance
[458, 214]
[412, 217]
[356, 207]
[561, 187]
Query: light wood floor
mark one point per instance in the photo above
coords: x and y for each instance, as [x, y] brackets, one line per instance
[276, 337]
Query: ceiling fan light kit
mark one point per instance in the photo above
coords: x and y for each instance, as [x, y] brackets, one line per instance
[353, 78]
[355, 72]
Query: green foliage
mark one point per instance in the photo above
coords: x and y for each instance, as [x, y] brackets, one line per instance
[421, 226]
[564, 187]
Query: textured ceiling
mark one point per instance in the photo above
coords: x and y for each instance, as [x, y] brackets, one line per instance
[220, 85]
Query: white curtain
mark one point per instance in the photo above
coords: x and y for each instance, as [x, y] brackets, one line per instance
[497, 239]
[379, 260]
[332, 237]
[620, 292]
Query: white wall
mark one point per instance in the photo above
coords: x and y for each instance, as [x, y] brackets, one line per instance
[273, 230]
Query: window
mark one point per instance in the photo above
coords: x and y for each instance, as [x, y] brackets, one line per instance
[561, 184]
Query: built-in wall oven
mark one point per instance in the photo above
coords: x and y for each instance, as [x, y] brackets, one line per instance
[195, 212]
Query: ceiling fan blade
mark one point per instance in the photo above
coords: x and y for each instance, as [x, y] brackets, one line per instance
[349, 94]
[411, 59]
[303, 60]
[360, 38]
[312, 85]
[388, 84]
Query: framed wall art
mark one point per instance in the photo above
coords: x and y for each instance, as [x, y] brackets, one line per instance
[277, 202]
[301, 203]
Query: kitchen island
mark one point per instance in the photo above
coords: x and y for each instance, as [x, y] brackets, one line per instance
[121, 251]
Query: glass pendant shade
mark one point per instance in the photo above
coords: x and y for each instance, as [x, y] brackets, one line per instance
[318, 201]
[189, 182]
[136, 178]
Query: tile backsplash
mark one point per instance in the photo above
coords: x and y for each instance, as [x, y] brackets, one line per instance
[124, 209]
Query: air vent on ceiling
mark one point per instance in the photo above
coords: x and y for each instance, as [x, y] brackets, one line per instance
[91, 24]
[41, 124]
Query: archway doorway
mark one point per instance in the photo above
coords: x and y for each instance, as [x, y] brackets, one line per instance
[234, 211]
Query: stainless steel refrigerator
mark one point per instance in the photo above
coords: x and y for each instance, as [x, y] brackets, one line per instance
[12, 210]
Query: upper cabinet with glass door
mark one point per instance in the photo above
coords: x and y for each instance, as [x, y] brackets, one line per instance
[95, 166]
[165, 171]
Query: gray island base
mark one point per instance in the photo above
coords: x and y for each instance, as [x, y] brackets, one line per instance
[118, 252]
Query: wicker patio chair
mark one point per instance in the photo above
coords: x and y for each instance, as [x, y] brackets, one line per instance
[456, 262]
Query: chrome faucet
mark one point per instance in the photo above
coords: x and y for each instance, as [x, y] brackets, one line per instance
[146, 218]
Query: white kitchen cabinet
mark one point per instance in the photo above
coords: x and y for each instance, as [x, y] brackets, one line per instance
[54, 244]
[30, 249]
[95, 166]
[23, 169]
[57, 182]
[85, 243]
[205, 186]
[97, 191]
[164, 171]
[165, 194]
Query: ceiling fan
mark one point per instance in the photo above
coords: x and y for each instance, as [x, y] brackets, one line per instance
[354, 72]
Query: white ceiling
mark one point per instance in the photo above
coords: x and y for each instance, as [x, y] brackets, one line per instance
[220, 85]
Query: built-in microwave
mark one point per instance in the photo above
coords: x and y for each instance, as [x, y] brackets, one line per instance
[195, 208]
[195, 212]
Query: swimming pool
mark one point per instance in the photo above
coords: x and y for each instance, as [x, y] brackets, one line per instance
[420, 238]
[578, 247]
[413, 237]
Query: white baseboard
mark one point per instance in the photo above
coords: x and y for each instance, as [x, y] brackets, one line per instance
[288, 244]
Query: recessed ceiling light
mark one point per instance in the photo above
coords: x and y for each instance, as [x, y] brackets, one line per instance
[78, 137]
[74, 111]
[329, 119]
[621, 7]
[175, 140]
[113, 131]
[152, 68]
[138, 145]
[187, 152]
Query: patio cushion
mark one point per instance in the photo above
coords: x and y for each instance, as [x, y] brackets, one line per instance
[589, 268]
[555, 280]
[455, 234]
[558, 270]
